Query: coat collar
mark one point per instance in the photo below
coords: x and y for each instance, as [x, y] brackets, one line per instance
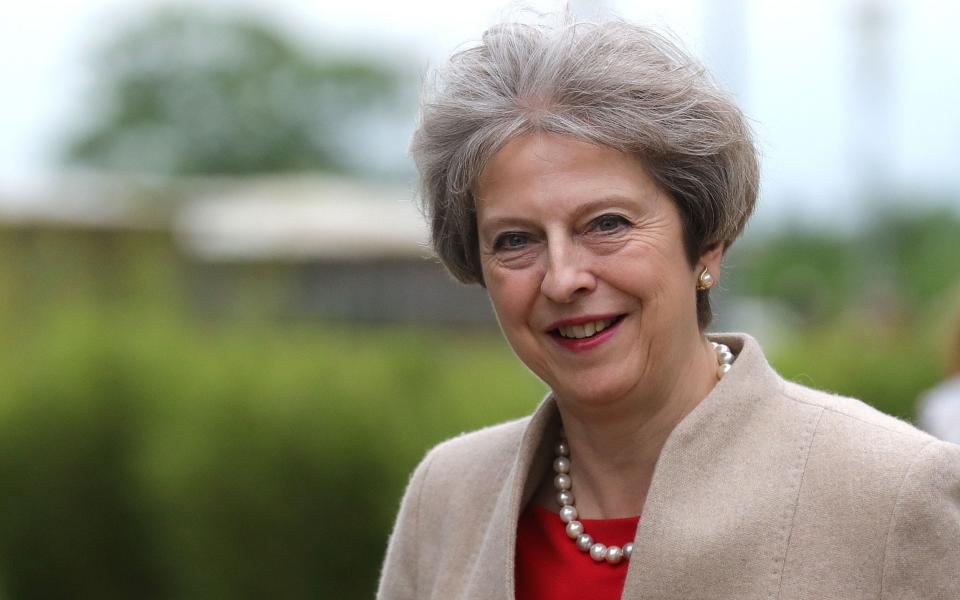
[705, 490]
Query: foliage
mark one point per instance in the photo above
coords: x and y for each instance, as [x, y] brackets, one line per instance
[187, 93]
[921, 250]
[888, 369]
[147, 457]
[892, 270]
[810, 272]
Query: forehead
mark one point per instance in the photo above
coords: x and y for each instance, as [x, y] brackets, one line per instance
[549, 171]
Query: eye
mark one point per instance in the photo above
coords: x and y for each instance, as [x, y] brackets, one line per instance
[608, 223]
[510, 241]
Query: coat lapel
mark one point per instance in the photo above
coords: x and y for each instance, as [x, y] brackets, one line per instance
[492, 576]
[717, 518]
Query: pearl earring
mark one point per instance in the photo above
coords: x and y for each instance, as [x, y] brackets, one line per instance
[705, 281]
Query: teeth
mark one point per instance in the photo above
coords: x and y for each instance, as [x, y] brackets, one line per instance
[585, 330]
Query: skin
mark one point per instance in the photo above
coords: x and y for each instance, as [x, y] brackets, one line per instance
[569, 229]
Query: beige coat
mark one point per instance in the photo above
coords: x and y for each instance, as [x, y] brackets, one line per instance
[766, 489]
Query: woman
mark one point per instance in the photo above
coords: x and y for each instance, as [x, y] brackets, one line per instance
[591, 177]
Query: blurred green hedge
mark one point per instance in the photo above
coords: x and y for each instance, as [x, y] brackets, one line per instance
[142, 457]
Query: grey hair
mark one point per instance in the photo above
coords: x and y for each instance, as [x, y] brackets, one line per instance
[614, 84]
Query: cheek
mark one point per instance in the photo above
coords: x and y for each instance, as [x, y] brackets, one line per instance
[513, 295]
[652, 275]
[672, 288]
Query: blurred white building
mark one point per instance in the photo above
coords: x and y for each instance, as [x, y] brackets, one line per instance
[303, 247]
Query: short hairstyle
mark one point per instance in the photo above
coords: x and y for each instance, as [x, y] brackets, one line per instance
[613, 84]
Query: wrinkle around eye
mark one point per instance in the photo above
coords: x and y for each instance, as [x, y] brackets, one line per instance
[515, 258]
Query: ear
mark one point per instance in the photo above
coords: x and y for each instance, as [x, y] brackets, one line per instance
[710, 260]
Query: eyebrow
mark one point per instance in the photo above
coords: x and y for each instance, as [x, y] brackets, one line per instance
[497, 223]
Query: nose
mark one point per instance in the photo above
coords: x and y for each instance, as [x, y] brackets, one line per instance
[568, 276]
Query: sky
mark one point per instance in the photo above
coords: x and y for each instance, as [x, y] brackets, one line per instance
[834, 111]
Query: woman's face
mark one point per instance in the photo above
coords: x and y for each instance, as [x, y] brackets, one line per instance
[583, 259]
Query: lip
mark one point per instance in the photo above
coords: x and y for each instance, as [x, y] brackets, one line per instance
[584, 344]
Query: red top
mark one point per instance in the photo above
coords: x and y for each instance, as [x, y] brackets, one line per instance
[549, 565]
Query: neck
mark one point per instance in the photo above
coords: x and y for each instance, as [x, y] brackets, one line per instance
[614, 448]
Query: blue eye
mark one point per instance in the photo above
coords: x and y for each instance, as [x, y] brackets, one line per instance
[608, 223]
[510, 241]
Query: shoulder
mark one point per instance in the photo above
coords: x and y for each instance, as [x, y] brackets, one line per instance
[457, 471]
[853, 422]
[757, 393]
[922, 548]
[895, 485]
[502, 436]
[473, 460]
[856, 454]
[852, 430]
[445, 497]
[905, 475]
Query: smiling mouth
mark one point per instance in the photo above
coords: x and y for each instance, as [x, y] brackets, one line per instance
[585, 330]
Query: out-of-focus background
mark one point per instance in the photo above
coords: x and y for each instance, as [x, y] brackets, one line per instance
[224, 344]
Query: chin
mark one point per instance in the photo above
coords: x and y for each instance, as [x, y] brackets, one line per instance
[590, 394]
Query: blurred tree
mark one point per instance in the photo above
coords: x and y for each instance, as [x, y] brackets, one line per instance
[923, 247]
[810, 272]
[188, 93]
[893, 268]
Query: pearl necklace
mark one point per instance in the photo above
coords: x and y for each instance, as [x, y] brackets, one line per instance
[562, 482]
